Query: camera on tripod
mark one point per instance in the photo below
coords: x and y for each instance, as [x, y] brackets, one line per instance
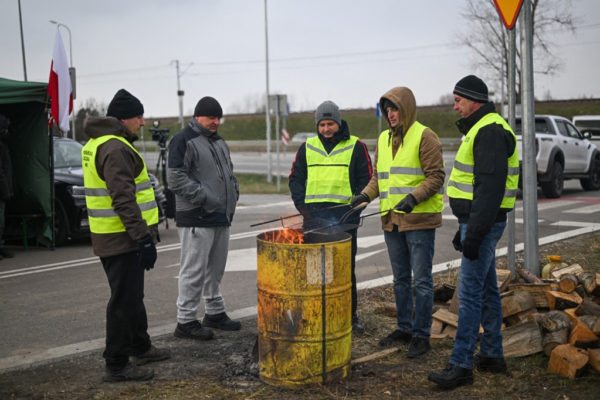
[159, 135]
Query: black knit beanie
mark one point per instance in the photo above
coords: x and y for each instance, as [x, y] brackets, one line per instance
[124, 106]
[472, 88]
[208, 107]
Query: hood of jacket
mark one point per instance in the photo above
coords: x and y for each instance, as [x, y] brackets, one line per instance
[404, 100]
[95, 127]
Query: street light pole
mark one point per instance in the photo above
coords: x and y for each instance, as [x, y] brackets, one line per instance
[22, 43]
[71, 73]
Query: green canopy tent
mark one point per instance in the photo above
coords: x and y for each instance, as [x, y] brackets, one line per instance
[29, 214]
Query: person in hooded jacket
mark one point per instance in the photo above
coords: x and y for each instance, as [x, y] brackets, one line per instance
[409, 179]
[200, 173]
[482, 189]
[328, 170]
[123, 218]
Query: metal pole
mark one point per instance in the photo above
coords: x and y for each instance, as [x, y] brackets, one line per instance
[179, 94]
[22, 43]
[277, 140]
[267, 116]
[511, 121]
[530, 211]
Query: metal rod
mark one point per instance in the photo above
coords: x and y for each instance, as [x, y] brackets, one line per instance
[23, 44]
[511, 121]
[296, 215]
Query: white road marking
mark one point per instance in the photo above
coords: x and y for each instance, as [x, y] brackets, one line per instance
[594, 208]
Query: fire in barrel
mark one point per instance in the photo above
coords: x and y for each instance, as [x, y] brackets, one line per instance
[304, 307]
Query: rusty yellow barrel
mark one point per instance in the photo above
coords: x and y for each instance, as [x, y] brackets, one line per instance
[304, 310]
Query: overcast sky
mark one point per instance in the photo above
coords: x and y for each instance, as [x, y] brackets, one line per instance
[350, 52]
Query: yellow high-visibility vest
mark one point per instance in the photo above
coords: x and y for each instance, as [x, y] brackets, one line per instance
[400, 175]
[102, 217]
[328, 175]
[461, 181]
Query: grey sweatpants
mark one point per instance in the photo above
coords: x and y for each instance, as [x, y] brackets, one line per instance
[203, 259]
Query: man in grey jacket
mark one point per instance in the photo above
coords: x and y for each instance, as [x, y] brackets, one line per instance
[200, 173]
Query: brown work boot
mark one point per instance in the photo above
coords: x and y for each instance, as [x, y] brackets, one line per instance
[130, 372]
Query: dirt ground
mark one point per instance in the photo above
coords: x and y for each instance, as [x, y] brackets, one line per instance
[225, 369]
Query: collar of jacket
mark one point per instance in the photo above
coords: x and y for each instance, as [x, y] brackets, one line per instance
[465, 124]
[199, 129]
[342, 134]
[95, 127]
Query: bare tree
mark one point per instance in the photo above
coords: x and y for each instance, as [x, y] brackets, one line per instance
[488, 38]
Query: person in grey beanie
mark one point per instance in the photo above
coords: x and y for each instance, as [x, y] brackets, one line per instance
[200, 173]
[328, 171]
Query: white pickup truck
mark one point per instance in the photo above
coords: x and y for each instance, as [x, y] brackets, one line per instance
[562, 152]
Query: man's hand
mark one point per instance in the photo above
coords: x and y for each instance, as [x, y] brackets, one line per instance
[471, 248]
[359, 199]
[406, 204]
[456, 241]
[147, 252]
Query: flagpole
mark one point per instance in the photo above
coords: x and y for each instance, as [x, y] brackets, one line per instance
[22, 43]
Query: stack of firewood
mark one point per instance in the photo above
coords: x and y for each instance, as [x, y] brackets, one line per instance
[559, 316]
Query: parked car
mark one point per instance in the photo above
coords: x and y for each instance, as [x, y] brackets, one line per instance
[301, 137]
[562, 152]
[589, 126]
[70, 220]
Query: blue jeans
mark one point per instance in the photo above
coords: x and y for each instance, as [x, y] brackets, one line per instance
[412, 252]
[479, 302]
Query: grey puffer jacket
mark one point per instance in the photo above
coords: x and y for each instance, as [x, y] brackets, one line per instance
[200, 173]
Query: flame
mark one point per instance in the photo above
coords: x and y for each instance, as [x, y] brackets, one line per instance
[290, 236]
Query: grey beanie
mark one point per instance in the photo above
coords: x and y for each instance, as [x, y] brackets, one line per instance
[328, 110]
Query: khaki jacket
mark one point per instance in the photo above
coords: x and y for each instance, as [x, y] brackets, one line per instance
[432, 163]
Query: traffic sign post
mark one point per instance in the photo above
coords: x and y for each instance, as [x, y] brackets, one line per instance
[509, 11]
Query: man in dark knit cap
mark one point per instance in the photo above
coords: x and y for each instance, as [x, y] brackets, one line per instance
[200, 173]
[123, 217]
[482, 189]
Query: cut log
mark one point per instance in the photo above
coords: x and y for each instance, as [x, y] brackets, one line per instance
[454, 303]
[560, 301]
[529, 277]
[574, 269]
[503, 278]
[522, 339]
[588, 280]
[438, 336]
[538, 291]
[571, 314]
[568, 283]
[517, 302]
[442, 292]
[552, 339]
[568, 361]
[556, 320]
[449, 331]
[588, 307]
[592, 322]
[594, 355]
[582, 336]
[523, 316]
[436, 326]
[446, 317]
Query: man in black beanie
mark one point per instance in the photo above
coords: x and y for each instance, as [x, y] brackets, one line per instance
[123, 217]
[482, 189]
[200, 173]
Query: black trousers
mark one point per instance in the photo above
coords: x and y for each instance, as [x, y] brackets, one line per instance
[126, 320]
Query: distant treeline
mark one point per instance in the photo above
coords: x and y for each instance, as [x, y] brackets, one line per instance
[364, 123]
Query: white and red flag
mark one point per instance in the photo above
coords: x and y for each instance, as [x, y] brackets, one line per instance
[59, 86]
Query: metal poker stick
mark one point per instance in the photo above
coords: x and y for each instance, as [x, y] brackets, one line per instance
[294, 215]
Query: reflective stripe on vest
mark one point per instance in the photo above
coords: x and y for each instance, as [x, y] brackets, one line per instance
[460, 183]
[400, 175]
[328, 175]
[102, 217]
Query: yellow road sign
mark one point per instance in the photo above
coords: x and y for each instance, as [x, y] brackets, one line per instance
[508, 10]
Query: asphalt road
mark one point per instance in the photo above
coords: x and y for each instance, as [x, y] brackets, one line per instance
[52, 303]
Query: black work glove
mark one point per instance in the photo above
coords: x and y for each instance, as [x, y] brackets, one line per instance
[456, 241]
[471, 248]
[406, 204]
[359, 199]
[147, 252]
